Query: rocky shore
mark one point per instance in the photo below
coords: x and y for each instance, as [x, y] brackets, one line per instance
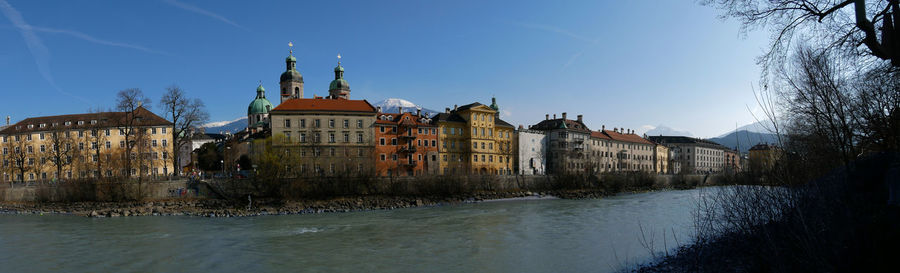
[227, 208]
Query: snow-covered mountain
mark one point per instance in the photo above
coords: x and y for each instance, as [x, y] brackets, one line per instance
[392, 104]
[756, 127]
[230, 126]
[663, 130]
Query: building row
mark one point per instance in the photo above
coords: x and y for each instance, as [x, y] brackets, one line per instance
[337, 135]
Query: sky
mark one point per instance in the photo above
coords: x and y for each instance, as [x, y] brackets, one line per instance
[625, 64]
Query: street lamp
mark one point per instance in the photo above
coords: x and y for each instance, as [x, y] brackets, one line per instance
[223, 166]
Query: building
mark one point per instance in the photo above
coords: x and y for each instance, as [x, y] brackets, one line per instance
[258, 111]
[325, 136]
[732, 161]
[87, 145]
[291, 81]
[193, 141]
[763, 157]
[473, 139]
[339, 88]
[693, 155]
[532, 147]
[568, 144]
[406, 144]
[621, 150]
[660, 159]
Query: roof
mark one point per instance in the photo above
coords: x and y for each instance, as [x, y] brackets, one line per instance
[685, 140]
[326, 105]
[600, 135]
[553, 124]
[395, 118]
[763, 147]
[454, 116]
[633, 138]
[103, 119]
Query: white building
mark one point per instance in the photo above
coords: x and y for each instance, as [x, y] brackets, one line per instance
[533, 146]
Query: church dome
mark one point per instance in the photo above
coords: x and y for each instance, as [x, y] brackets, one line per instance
[260, 105]
[339, 84]
[291, 75]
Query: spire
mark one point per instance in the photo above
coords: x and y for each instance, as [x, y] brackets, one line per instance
[339, 70]
[260, 91]
[290, 61]
[494, 104]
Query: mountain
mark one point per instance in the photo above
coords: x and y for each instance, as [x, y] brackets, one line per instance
[392, 104]
[230, 126]
[744, 139]
[756, 127]
[663, 130]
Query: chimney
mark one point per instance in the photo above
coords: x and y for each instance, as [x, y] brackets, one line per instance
[546, 116]
[400, 109]
[140, 103]
[454, 108]
[419, 112]
[447, 110]
[7, 120]
[379, 109]
[554, 116]
[579, 118]
[564, 115]
[521, 127]
[603, 127]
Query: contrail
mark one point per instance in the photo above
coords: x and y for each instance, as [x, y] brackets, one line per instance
[89, 38]
[38, 50]
[195, 9]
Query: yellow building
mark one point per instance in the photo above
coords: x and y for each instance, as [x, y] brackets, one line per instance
[763, 157]
[473, 139]
[86, 145]
[661, 159]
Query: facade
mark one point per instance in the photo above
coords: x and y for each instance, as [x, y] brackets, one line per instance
[258, 111]
[621, 150]
[661, 159]
[762, 157]
[693, 155]
[732, 160]
[86, 146]
[568, 144]
[406, 144]
[473, 139]
[532, 147]
[325, 136]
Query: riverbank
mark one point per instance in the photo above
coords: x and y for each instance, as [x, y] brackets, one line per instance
[221, 208]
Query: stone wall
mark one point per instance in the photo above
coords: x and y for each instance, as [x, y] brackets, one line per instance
[152, 191]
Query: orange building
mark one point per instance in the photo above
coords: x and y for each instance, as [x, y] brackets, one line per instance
[405, 144]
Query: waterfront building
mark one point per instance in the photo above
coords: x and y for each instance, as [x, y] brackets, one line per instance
[660, 158]
[693, 155]
[87, 145]
[621, 150]
[406, 144]
[532, 155]
[568, 144]
[732, 161]
[473, 139]
[763, 157]
[325, 136]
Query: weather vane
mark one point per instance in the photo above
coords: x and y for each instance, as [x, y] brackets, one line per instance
[291, 44]
[339, 58]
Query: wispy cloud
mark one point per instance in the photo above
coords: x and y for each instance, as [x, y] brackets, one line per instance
[557, 30]
[89, 38]
[38, 50]
[196, 9]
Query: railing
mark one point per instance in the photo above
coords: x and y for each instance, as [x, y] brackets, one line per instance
[408, 136]
[408, 150]
[410, 163]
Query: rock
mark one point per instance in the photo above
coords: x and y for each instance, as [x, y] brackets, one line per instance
[94, 214]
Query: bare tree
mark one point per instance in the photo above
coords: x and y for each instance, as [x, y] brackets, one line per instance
[844, 24]
[129, 101]
[61, 149]
[185, 113]
[16, 156]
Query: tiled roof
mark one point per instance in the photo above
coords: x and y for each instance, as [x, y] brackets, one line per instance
[470, 105]
[633, 138]
[502, 123]
[685, 140]
[600, 135]
[335, 105]
[395, 118]
[448, 117]
[553, 124]
[103, 119]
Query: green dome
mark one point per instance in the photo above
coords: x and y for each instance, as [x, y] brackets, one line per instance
[339, 68]
[339, 84]
[291, 75]
[290, 58]
[260, 105]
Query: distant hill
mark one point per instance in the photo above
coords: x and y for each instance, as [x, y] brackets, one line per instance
[392, 105]
[229, 126]
[663, 130]
[744, 139]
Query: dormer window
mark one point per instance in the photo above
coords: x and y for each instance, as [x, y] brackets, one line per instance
[93, 122]
[43, 125]
[30, 126]
[68, 123]
[80, 122]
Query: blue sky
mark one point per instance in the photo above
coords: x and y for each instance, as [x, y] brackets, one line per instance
[632, 64]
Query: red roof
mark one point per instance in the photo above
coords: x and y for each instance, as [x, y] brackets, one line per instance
[396, 119]
[103, 120]
[326, 105]
[633, 138]
[599, 135]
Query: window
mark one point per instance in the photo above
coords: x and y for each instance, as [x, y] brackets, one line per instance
[109, 145]
[43, 148]
[381, 128]
[474, 145]
[359, 138]
[475, 158]
[302, 123]
[152, 131]
[330, 137]
[164, 132]
[302, 137]
[346, 137]
[316, 123]
[165, 143]
[153, 142]
[121, 132]
[393, 129]
[331, 123]
[346, 123]
[41, 136]
[452, 131]
[359, 123]
[316, 138]
[287, 123]
[445, 130]
[383, 157]
[287, 136]
[393, 141]
[433, 142]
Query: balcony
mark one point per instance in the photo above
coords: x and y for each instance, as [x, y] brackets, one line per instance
[410, 163]
[407, 136]
[408, 149]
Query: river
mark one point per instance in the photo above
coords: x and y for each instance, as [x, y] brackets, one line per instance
[595, 235]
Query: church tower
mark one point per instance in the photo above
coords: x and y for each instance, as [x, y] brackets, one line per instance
[291, 80]
[339, 88]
